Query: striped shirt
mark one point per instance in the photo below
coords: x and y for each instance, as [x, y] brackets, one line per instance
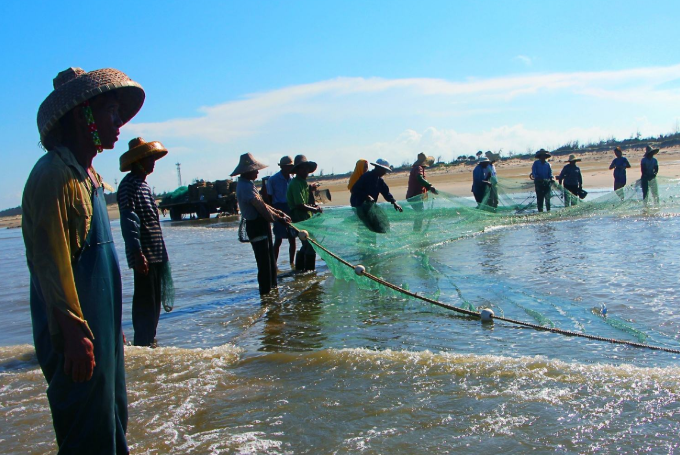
[139, 221]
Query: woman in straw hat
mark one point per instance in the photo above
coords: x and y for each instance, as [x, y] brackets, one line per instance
[258, 216]
[144, 245]
[572, 181]
[541, 174]
[418, 188]
[650, 168]
[75, 297]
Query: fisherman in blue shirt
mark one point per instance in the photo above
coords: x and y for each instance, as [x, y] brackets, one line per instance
[541, 174]
[277, 187]
[649, 167]
[366, 190]
[480, 179]
[619, 164]
[571, 179]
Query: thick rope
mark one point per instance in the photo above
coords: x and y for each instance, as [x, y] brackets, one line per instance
[478, 315]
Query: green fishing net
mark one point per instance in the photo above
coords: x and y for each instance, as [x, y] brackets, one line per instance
[427, 223]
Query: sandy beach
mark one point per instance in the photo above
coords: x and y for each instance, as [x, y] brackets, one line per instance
[457, 180]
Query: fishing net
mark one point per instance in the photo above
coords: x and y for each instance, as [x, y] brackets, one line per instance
[427, 223]
[181, 194]
[167, 288]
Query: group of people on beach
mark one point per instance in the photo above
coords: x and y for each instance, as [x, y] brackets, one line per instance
[75, 279]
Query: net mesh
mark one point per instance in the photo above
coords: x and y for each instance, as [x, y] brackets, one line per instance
[429, 222]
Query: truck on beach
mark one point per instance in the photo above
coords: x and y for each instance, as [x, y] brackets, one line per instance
[200, 200]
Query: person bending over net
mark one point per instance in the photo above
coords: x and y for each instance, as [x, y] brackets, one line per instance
[365, 193]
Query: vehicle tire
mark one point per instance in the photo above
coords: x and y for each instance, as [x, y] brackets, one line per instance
[175, 214]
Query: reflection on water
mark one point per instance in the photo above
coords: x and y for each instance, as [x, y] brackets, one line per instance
[327, 367]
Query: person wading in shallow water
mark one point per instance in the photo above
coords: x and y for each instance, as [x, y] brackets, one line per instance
[277, 187]
[571, 179]
[144, 245]
[650, 168]
[619, 164]
[298, 199]
[258, 216]
[541, 174]
[75, 296]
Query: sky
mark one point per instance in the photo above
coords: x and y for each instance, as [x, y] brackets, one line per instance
[342, 80]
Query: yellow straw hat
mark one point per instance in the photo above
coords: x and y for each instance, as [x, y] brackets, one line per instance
[140, 149]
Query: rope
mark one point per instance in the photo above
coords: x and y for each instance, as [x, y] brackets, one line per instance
[478, 315]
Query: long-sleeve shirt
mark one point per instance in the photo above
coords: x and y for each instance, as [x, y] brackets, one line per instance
[277, 188]
[541, 170]
[57, 215]
[416, 182]
[480, 174]
[370, 184]
[298, 194]
[649, 167]
[571, 175]
[140, 221]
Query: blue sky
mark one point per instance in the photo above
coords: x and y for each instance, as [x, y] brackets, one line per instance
[339, 81]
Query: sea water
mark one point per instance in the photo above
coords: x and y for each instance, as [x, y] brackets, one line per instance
[325, 367]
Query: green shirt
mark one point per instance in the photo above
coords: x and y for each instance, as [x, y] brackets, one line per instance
[298, 193]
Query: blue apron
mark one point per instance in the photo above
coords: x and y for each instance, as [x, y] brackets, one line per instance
[89, 417]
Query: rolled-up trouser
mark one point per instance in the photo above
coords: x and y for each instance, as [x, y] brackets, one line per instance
[570, 195]
[542, 187]
[260, 235]
[146, 304]
[649, 183]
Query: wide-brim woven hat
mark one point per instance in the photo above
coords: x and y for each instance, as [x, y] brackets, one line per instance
[493, 157]
[573, 159]
[247, 163]
[73, 86]
[651, 151]
[286, 161]
[424, 160]
[543, 152]
[138, 149]
[483, 159]
[302, 161]
[385, 166]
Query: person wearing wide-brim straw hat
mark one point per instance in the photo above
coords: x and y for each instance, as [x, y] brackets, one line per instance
[277, 188]
[541, 174]
[365, 195]
[258, 216]
[417, 184]
[480, 179]
[72, 261]
[144, 245]
[302, 207]
[649, 167]
[619, 164]
[572, 181]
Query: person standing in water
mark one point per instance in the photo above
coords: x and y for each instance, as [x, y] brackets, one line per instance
[359, 169]
[76, 298]
[572, 181]
[277, 187]
[300, 209]
[541, 174]
[144, 245]
[649, 168]
[480, 179]
[258, 216]
[417, 185]
[493, 178]
[619, 164]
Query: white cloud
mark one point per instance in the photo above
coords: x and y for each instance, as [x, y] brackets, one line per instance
[338, 121]
[524, 59]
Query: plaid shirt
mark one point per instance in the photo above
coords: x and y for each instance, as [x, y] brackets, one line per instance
[139, 221]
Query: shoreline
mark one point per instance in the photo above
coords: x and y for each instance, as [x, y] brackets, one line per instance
[457, 180]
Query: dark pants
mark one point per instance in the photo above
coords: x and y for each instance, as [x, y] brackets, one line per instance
[264, 253]
[649, 184]
[306, 257]
[542, 193]
[570, 195]
[146, 304]
[619, 183]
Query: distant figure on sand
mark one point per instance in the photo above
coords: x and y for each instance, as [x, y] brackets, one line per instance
[76, 299]
[650, 168]
[541, 174]
[359, 169]
[258, 216]
[480, 179]
[277, 188]
[619, 164]
[572, 181]
[366, 191]
[298, 197]
[144, 245]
